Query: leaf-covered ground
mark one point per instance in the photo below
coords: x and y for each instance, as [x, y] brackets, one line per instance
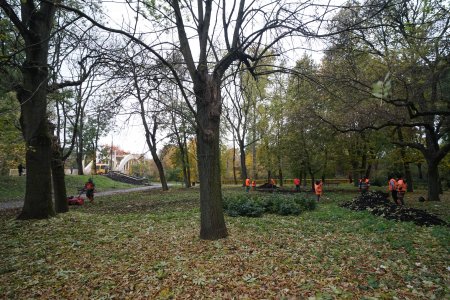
[13, 187]
[146, 246]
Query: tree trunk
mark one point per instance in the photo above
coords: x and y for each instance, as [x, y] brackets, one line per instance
[244, 174]
[208, 100]
[419, 169]
[58, 177]
[406, 168]
[280, 176]
[433, 181]
[80, 146]
[159, 166]
[325, 166]
[188, 164]
[32, 95]
[234, 162]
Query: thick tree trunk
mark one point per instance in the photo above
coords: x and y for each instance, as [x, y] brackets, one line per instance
[38, 200]
[32, 96]
[433, 181]
[208, 101]
[244, 174]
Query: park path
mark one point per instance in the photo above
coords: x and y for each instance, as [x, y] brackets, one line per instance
[19, 203]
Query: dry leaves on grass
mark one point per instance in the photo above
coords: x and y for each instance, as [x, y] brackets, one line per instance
[155, 253]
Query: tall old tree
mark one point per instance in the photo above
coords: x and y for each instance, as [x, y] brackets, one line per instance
[407, 46]
[34, 24]
[212, 36]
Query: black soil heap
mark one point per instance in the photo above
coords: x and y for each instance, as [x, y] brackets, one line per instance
[378, 204]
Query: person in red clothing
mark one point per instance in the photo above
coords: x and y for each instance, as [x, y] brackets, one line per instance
[247, 185]
[253, 185]
[401, 190]
[297, 184]
[89, 188]
[318, 189]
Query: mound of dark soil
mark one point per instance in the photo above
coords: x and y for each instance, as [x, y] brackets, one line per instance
[378, 204]
[267, 186]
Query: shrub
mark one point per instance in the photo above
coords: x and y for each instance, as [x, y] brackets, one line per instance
[306, 203]
[243, 205]
[289, 207]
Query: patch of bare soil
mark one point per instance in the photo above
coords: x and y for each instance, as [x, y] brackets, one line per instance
[378, 204]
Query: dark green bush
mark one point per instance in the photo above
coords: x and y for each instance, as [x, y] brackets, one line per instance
[255, 205]
[289, 207]
[243, 205]
[306, 203]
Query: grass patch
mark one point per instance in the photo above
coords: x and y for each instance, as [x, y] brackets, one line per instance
[13, 187]
[146, 245]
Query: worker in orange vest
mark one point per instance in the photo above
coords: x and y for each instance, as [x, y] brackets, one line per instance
[247, 185]
[318, 189]
[364, 185]
[392, 188]
[401, 190]
[253, 185]
[297, 184]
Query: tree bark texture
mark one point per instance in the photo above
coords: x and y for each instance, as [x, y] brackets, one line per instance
[244, 174]
[433, 181]
[32, 95]
[208, 99]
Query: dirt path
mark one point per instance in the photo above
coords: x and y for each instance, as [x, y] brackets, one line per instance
[19, 203]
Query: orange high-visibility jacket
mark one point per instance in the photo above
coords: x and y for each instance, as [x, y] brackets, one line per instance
[318, 188]
[247, 182]
[253, 183]
[401, 185]
[392, 184]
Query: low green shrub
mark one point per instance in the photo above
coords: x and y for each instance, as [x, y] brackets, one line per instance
[289, 207]
[305, 203]
[255, 205]
[243, 205]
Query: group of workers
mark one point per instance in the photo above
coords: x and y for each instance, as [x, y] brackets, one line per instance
[396, 186]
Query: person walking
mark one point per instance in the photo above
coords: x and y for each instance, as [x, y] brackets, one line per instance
[253, 185]
[247, 185]
[297, 184]
[89, 188]
[318, 189]
[20, 169]
[392, 187]
[401, 190]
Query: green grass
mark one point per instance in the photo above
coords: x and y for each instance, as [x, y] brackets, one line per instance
[146, 245]
[13, 187]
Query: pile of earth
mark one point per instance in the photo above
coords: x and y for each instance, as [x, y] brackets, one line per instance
[267, 186]
[378, 204]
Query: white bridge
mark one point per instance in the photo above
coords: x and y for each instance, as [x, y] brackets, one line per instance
[123, 165]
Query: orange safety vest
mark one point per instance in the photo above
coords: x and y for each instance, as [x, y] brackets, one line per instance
[297, 181]
[253, 183]
[401, 185]
[318, 188]
[392, 184]
[247, 182]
